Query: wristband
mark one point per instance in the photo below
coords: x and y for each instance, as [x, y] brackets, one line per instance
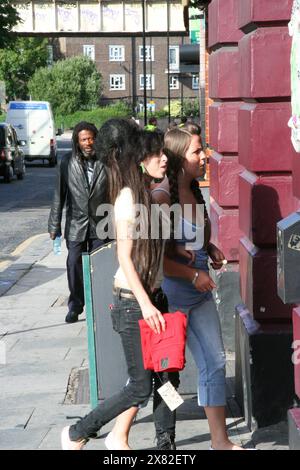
[195, 278]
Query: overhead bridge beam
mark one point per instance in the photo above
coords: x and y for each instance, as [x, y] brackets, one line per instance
[56, 17]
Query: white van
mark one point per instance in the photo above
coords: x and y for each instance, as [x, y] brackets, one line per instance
[34, 123]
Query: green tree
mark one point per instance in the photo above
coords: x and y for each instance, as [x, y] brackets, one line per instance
[18, 64]
[191, 107]
[9, 17]
[70, 85]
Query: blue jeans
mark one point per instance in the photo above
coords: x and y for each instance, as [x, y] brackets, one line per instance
[125, 316]
[204, 339]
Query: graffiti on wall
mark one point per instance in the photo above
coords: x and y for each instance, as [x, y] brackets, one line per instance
[96, 15]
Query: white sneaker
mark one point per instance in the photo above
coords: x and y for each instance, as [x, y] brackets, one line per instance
[109, 442]
[67, 444]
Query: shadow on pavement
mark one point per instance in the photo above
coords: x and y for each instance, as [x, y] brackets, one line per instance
[21, 278]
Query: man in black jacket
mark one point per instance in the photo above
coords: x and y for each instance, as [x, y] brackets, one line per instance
[82, 186]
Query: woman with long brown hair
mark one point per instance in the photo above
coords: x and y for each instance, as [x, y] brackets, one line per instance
[187, 283]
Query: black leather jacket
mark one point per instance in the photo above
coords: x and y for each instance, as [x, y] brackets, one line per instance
[81, 201]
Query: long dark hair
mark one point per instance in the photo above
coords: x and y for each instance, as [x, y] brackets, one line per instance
[121, 145]
[177, 142]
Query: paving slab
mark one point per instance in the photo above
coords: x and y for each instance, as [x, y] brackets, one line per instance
[15, 418]
[21, 439]
[272, 437]
[34, 397]
[57, 415]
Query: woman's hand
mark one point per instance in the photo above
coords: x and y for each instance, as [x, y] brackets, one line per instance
[216, 255]
[189, 254]
[154, 318]
[204, 282]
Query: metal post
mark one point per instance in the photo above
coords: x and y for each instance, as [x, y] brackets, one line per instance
[168, 58]
[181, 75]
[133, 78]
[144, 63]
[202, 76]
[87, 279]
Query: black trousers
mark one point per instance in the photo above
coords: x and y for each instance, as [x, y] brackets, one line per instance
[125, 316]
[74, 271]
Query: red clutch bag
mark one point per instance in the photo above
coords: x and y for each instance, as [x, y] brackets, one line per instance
[165, 351]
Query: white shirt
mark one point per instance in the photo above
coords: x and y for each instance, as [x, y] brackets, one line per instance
[124, 210]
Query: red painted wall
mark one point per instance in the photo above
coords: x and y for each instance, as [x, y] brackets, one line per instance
[223, 22]
[224, 179]
[296, 329]
[223, 37]
[256, 11]
[263, 56]
[264, 137]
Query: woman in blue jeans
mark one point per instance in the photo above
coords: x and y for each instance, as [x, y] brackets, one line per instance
[187, 283]
[133, 158]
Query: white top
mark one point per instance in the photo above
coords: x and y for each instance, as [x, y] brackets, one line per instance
[124, 210]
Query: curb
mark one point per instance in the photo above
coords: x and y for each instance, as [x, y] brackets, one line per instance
[29, 252]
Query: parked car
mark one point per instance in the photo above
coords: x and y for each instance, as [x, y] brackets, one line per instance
[12, 157]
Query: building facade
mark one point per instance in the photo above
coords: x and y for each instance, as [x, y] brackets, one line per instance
[120, 62]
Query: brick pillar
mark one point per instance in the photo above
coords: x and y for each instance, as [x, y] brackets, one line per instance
[252, 188]
[266, 196]
[265, 150]
[294, 415]
[225, 101]
[223, 37]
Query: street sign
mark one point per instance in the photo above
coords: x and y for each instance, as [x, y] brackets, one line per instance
[194, 25]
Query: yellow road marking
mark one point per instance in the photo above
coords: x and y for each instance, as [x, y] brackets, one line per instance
[20, 248]
[4, 264]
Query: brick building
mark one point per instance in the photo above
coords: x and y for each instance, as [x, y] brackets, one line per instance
[120, 62]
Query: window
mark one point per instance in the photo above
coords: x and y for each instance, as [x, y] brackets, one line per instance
[117, 82]
[173, 82]
[174, 57]
[116, 53]
[89, 51]
[149, 53]
[150, 82]
[195, 82]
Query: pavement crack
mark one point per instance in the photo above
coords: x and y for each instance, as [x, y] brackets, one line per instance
[44, 437]
[67, 353]
[15, 343]
[52, 305]
[26, 424]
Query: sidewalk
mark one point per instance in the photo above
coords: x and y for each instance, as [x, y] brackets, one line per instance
[42, 351]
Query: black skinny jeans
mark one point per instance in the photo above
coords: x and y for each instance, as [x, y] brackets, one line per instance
[125, 316]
